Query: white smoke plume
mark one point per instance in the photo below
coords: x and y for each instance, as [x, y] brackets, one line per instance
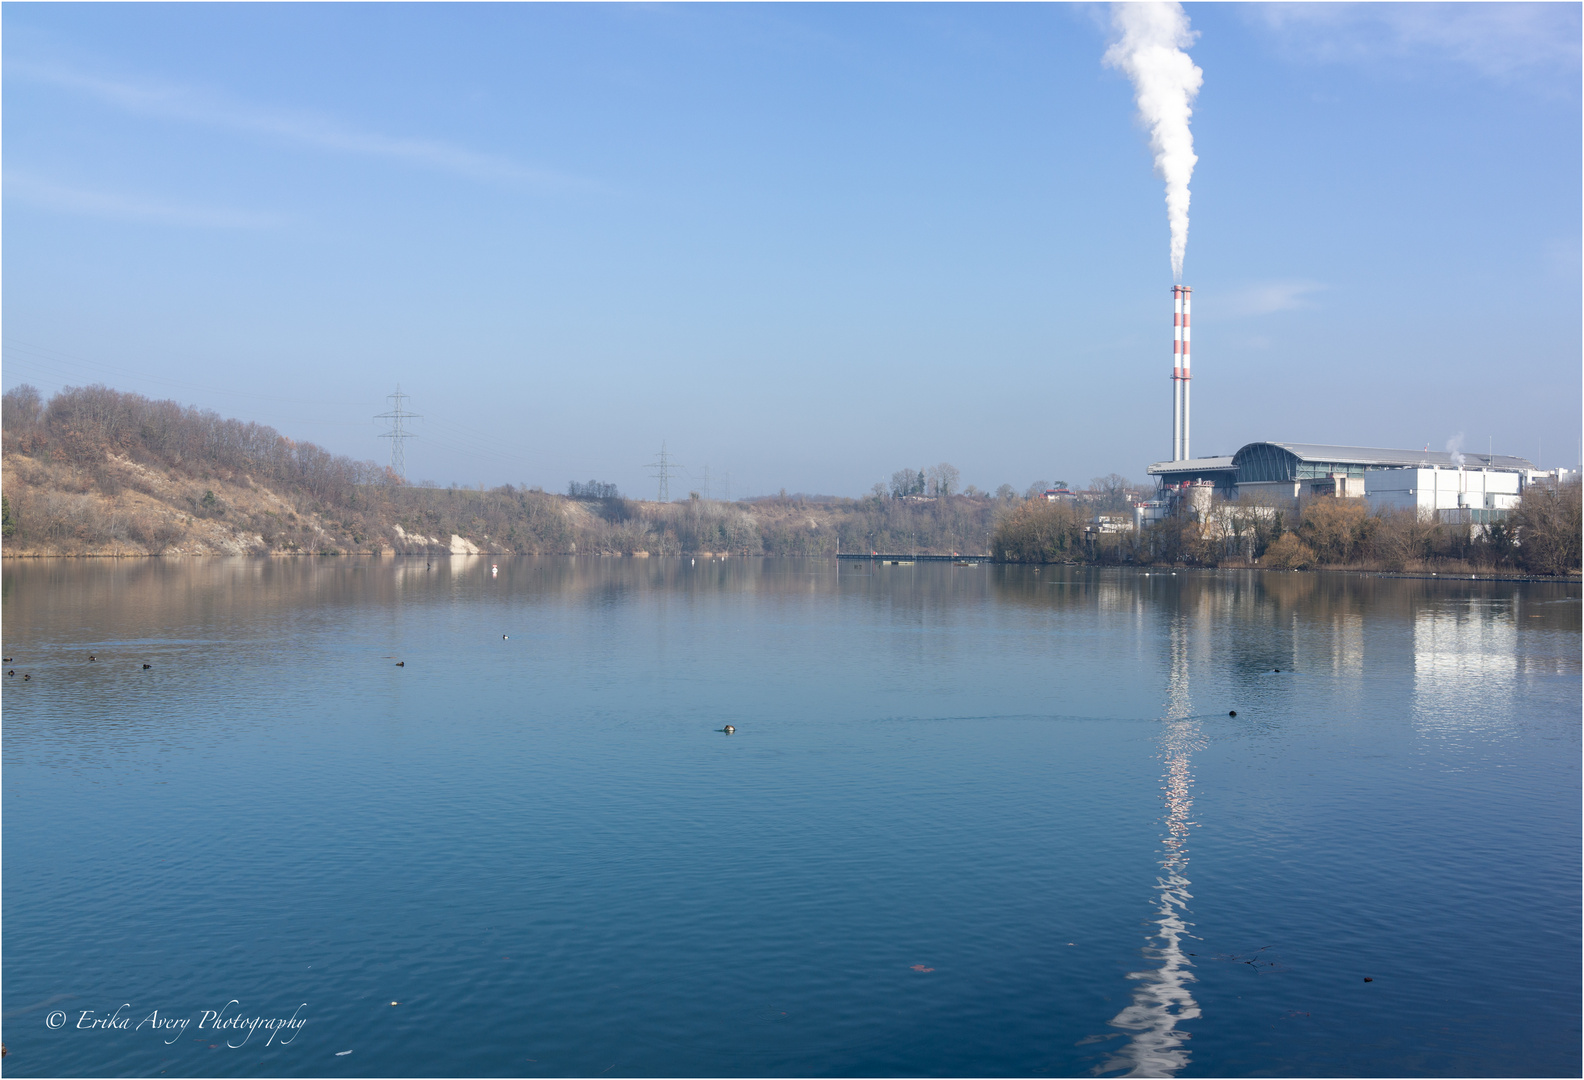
[1165, 82]
[1455, 448]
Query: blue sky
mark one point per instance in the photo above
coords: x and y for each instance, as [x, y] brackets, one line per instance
[805, 245]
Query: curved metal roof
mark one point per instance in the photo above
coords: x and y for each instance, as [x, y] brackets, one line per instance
[1389, 459]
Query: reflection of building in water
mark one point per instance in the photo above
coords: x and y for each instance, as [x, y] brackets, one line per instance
[1161, 995]
[1344, 644]
[1347, 653]
[1465, 664]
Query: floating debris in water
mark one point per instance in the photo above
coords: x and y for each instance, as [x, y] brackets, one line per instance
[342, 1053]
[920, 967]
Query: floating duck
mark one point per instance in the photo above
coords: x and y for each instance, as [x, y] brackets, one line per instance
[728, 729]
[91, 658]
[1232, 713]
[400, 663]
[147, 666]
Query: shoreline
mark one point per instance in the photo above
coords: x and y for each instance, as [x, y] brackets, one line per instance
[1428, 575]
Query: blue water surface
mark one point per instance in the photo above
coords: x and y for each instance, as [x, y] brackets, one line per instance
[974, 820]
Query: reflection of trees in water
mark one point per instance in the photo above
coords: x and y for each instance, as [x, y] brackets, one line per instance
[1162, 999]
[119, 594]
[1251, 603]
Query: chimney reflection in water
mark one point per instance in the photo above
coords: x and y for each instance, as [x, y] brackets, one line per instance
[1161, 995]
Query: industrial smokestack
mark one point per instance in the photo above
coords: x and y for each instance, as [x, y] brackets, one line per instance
[1182, 296]
[1187, 375]
[1177, 329]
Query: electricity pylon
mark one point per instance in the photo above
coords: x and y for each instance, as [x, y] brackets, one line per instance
[397, 434]
[663, 469]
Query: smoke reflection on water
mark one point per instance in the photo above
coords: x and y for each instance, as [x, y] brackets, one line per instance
[1161, 996]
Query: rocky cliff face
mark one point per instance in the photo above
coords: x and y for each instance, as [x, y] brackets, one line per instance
[121, 507]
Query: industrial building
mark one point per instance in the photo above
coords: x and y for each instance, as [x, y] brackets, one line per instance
[1472, 488]
[1428, 480]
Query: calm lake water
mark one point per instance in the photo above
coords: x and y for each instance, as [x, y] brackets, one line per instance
[973, 820]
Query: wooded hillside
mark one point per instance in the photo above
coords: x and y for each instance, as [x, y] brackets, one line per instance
[95, 471]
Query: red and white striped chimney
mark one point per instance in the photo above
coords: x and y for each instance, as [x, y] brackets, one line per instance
[1181, 311]
[1185, 378]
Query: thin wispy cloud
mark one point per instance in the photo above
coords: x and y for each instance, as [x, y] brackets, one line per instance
[1267, 298]
[1504, 41]
[115, 206]
[174, 102]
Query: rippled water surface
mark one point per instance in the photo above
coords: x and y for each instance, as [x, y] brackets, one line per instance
[973, 820]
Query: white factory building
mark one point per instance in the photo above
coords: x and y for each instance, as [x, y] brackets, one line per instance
[1443, 493]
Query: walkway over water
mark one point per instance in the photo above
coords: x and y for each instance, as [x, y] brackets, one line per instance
[916, 558]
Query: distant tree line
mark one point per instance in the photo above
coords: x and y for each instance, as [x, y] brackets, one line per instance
[592, 489]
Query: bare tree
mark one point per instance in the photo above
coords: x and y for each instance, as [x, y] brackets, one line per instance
[907, 482]
[22, 407]
[1110, 491]
[943, 480]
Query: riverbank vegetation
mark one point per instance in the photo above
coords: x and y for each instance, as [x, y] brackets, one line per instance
[1541, 536]
[95, 471]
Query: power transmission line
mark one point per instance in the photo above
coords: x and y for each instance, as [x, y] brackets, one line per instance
[663, 469]
[397, 434]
